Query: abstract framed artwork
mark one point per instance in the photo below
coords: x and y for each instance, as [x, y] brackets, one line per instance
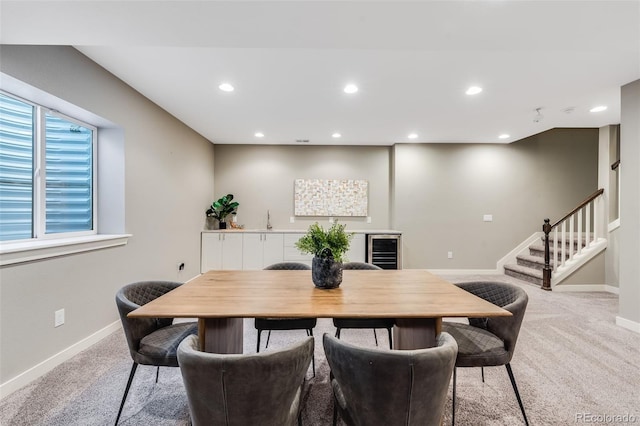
[331, 197]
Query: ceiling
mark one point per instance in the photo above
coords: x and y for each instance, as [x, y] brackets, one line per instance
[412, 62]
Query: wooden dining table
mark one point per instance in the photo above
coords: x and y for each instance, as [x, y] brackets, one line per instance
[416, 299]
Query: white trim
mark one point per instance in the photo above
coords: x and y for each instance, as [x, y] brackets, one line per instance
[49, 364]
[523, 247]
[578, 261]
[628, 324]
[575, 288]
[465, 271]
[614, 225]
[27, 251]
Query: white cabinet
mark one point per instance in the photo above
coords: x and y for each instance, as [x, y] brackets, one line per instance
[262, 249]
[291, 253]
[256, 250]
[221, 250]
[357, 251]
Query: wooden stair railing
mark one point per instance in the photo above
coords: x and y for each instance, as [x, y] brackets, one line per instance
[583, 208]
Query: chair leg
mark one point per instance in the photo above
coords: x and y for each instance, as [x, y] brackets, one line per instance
[313, 355]
[258, 341]
[390, 339]
[482, 372]
[268, 337]
[515, 389]
[453, 399]
[338, 333]
[126, 390]
[157, 374]
[375, 336]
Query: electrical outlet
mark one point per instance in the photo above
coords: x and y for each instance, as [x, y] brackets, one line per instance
[292, 219]
[368, 219]
[487, 218]
[449, 255]
[332, 220]
[58, 318]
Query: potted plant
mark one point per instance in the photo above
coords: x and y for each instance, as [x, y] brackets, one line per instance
[328, 249]
[222, 208]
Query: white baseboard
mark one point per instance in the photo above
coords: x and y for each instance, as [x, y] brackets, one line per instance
[569, 288]
[465, 271]
[628, 324]
[49, 364]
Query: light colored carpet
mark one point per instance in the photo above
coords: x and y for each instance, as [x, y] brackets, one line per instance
[571, 362]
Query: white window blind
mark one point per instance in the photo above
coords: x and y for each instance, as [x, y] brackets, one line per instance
[16, 169]
[46, 173]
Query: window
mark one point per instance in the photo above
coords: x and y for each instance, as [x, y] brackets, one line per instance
[47, 173]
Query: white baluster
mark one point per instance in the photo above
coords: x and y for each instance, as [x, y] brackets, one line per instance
[555, 249]
[571, 225]
[596, 224]
[579, 236]
[564, 242]
[587, 226]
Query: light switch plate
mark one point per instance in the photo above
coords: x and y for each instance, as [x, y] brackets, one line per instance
[58, 318]
[292, 219]
[487, 218]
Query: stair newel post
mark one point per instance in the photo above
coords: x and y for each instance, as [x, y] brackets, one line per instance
[546, 272]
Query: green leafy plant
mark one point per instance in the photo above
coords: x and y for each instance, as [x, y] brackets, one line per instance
[222, 208]
[333, 242]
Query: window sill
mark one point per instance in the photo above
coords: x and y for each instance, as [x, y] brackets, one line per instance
[28, 251]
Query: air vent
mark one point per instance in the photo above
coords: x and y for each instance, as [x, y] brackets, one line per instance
[302, 140]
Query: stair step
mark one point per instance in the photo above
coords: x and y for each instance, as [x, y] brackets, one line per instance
[538, 251]
[523, 273]
[533, 262]
[567, 242]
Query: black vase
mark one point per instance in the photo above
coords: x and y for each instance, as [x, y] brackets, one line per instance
[326, 273]
[223, 225]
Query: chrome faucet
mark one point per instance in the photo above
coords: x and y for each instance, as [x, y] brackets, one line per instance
[269, 227]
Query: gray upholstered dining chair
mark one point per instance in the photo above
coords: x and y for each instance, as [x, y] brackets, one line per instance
[360, 323]
[251, 389]
[270, 324]
[379, 387]
[151, 341]
[486, 342]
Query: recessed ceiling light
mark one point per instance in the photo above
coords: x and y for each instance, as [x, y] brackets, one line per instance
[226, 87]
[598, 108]
[336, 135]
[412, 135]
[473, 90]
[259, 135]
[350, 88]
[504, 136]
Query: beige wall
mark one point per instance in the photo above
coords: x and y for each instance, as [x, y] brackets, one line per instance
[168, 183]
[437, 193]
[442, 192]
[629, 236]
[261, 178]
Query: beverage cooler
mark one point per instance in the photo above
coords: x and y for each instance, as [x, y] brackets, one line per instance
[384, 250]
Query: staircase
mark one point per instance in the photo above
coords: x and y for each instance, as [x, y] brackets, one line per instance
[569, 243]
[529, 265]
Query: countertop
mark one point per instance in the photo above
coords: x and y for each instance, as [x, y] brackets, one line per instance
[303, 231]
